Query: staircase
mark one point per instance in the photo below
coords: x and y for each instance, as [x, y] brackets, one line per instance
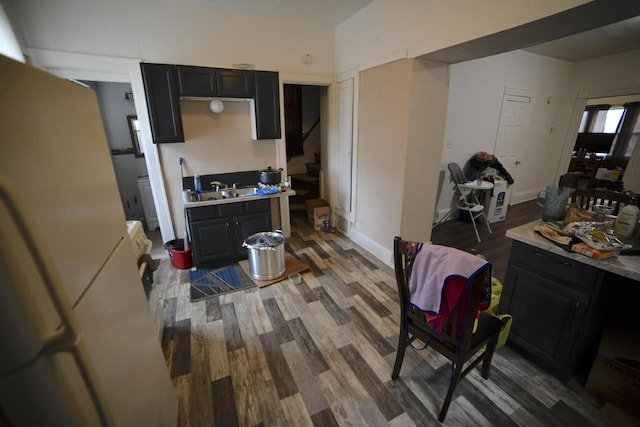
[306, 186]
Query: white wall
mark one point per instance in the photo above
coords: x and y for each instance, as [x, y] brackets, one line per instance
[9, 45]
[399, 149]
[424, 148]
[473, 114]
[188, 32]
[184, 32]
[385, 94]
[414, 27]
[192, 32]
[214, 143]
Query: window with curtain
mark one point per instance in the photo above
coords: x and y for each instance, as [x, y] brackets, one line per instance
[599, 129]
[628, 132]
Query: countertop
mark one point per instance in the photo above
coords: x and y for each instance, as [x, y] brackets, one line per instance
[287, 193]
[624, 265]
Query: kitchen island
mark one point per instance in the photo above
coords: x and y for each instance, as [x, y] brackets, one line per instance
[561, 301]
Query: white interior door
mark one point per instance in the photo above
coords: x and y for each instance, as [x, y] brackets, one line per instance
[511, 141]
[345, 147]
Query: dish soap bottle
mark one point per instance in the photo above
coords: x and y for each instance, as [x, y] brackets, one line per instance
[627, 219]
[197, 184]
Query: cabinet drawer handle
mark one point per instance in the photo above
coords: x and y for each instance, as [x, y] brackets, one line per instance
[566, 264]
[573, 315]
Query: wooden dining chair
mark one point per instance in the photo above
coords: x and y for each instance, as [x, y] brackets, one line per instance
[569, 179]
[457, 340]
[587, 198]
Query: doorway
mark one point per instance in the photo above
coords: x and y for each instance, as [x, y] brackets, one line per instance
[304, 140]
[117, 108]
[512, 147]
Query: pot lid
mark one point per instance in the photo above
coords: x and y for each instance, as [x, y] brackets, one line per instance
[265, 239]
[270, 170]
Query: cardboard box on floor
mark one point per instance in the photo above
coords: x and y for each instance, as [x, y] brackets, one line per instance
[318, 213]
[615, 375]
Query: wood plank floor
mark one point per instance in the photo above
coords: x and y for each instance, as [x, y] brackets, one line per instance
[320, 353]
[495, 246]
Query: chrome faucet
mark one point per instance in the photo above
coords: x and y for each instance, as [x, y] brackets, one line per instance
[217, 185]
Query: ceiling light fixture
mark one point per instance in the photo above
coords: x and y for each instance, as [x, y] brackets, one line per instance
[216, 106]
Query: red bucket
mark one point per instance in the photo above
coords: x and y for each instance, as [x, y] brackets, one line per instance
[180, 258]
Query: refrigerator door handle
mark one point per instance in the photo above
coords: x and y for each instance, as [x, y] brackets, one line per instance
[65, 339]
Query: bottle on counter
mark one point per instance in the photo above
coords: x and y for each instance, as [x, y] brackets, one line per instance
[627, 219]
[197, 185]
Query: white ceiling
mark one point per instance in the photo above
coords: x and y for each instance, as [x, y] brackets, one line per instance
[324, 12]
[608, 40]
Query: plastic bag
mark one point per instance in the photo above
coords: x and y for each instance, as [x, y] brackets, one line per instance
[597, 235]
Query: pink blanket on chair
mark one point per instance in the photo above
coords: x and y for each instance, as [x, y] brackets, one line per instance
[432, 267]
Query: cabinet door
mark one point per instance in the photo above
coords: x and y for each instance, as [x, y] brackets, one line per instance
[547, 316]
[235, 83]
[212, 240]
[247, 225]
[197, 81]
[163, 102]
[267, 104]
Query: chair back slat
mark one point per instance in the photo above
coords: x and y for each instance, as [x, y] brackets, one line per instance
[587, 198]
[456, 173]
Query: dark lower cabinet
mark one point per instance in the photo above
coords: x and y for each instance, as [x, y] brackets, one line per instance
[163, 102]
[218, 231]
[212, 240]
[557, 308]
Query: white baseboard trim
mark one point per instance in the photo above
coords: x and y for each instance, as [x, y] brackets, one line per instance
[379, 251]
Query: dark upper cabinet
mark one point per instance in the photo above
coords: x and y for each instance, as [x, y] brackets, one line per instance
[235, 83]
[197, 81]
[267, 104]
[163, 102]
[164, 84]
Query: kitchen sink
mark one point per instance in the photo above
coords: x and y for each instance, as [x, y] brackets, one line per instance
[248, 191]
[228, 193]
[209, 195]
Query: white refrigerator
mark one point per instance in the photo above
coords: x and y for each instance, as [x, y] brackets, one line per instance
[77, 344]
